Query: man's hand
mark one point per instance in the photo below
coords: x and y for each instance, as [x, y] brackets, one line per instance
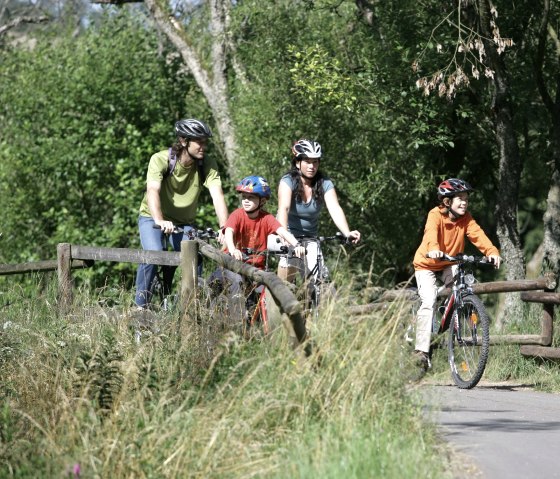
[166, 226]
[221, 236]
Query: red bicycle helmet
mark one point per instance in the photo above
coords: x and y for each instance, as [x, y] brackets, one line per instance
[450, 187]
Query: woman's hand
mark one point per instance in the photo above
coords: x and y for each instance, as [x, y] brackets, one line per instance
[354, 236]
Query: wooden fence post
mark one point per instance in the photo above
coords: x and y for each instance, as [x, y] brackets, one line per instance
[189, 271]
[64, 263]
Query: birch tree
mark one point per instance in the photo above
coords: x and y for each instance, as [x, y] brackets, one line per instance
[212, 80]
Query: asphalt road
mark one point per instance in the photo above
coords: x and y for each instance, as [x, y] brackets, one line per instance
[502, 430]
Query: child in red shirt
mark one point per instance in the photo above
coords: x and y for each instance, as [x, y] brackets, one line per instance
[445, 231]
[249, 227]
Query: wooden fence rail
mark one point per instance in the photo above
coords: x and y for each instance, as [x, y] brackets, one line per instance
[187, 260]
[75, 256]
[531, 344]
[37, 266]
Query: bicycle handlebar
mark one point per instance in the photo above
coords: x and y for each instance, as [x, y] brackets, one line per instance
[321, 239]
[193, 233]
[249, 253]
[464, 258]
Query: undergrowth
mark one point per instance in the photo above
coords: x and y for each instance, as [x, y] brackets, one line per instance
[79, 394]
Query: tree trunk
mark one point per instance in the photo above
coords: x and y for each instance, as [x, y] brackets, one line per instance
[509, 167]
[214, 86]
[551, 218]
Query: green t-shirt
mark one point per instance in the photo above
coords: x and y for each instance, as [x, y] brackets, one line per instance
[179, 191]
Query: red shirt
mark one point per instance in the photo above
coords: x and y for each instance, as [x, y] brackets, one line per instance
[252, 233]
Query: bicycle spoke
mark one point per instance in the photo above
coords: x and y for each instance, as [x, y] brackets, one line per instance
[469, 340]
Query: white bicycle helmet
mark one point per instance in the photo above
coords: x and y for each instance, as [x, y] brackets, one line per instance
[307, 148]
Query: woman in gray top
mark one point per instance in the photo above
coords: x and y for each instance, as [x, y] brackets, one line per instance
[301, 195]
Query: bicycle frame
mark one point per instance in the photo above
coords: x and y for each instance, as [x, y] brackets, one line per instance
[458, 290]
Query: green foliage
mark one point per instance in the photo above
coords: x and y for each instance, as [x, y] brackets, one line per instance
[81, 118]
[319, 78]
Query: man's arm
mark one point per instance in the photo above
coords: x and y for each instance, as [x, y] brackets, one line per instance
[154, 205]
[220, 207]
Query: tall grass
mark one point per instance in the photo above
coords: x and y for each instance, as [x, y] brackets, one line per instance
[78, 391]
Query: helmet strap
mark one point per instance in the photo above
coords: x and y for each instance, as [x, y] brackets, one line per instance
[455, 215]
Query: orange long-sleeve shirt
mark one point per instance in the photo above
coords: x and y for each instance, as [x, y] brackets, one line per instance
[441, 233]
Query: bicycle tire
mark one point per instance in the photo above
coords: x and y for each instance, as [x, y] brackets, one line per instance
[469, 342]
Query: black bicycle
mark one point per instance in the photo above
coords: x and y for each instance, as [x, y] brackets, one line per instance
[160, 287]
[464, 315]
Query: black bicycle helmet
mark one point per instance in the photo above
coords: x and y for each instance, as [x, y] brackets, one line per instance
[191, 129]
[450, 187]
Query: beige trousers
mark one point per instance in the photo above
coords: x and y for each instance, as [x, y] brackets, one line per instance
[426, 281]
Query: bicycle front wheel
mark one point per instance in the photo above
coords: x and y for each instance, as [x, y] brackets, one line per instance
[469, 342]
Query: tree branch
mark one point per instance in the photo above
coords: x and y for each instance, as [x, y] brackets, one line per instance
[20, 20]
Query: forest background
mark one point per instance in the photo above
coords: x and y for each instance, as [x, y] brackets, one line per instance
[400, 95]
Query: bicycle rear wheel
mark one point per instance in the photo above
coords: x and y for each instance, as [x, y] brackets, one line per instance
[469, 342]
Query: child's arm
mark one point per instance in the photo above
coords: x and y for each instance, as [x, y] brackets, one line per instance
[478, 237]
[230, 244]
[291, 240]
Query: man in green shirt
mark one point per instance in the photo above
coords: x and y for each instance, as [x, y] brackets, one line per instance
[171, 198]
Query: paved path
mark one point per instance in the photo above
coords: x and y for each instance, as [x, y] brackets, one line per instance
[508, 431]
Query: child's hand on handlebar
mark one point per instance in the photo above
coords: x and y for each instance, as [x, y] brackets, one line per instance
[495, 259]
[435, 254]
[237, 254]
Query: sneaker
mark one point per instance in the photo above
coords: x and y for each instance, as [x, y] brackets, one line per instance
[422, 359]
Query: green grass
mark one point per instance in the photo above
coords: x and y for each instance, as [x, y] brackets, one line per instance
[78, 390]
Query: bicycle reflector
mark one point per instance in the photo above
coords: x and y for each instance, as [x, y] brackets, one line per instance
[474, 318]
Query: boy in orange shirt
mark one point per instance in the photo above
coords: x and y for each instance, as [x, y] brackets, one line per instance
[445, 231]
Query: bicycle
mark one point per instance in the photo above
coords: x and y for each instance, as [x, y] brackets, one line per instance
[252, 310]
[463, 314]
[160, 287]
[317, 281]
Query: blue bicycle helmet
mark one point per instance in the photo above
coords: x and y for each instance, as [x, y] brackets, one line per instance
[254, 185]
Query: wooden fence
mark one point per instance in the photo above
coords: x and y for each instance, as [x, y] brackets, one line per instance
[187, 260]
[74, 256]
[535, 345]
